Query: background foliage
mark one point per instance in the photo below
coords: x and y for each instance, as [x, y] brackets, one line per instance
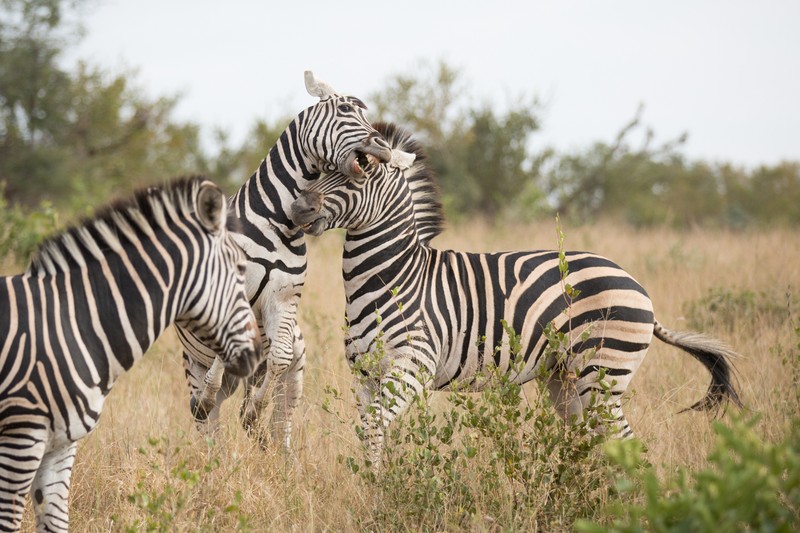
[73, 138]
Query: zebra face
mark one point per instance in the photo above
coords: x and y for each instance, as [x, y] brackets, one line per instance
[338, 201]
[338, 133]
[218, 312]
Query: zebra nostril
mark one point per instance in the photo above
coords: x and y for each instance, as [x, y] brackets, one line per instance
[380, 141]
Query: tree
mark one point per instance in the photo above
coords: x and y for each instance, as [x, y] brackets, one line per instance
[34, 90]
[78, 137]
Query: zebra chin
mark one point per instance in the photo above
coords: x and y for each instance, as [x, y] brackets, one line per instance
[315, 227]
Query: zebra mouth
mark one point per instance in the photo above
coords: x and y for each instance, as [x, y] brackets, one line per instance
[364, 163]
[315, 227]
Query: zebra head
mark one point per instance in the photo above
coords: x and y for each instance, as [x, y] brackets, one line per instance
[216, 309]
[337, 135]
[338, 201]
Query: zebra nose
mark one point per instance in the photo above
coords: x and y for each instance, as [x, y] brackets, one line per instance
[377, 139]
[307, 205]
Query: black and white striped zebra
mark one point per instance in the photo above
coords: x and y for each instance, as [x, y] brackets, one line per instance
[439, 313]
[332, 134]
[93, 300]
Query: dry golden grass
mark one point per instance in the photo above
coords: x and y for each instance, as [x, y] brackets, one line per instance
[316, 493]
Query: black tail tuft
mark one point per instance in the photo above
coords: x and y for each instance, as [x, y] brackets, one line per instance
[716, 357]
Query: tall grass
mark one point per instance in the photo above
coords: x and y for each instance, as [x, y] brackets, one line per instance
[145, 464]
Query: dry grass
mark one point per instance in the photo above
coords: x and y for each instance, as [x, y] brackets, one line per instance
[317, 493]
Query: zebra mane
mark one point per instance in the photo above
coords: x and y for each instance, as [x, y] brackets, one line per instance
[425, 195]
[134, 218]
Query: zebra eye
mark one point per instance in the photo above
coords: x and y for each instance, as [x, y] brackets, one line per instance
[242, 269]
[345, 108]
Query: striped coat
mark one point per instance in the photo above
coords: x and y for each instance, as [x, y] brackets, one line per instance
[94, 299]
[332, 134]
[444, 316]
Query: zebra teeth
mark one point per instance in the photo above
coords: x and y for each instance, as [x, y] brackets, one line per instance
[364, 163]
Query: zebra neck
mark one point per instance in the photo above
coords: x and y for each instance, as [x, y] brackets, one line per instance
[265, 197]
[119, 313]
[375, 257]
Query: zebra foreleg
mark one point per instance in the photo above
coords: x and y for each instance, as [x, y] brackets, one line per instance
[287, 395]
[17, 472]
[50, 489]
[280, 340]
[206, 399]
[205, 413]
[248, 416]
[380, 402]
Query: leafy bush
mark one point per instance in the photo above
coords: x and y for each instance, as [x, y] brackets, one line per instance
[751, 486]
[21, 232]
[489, 459]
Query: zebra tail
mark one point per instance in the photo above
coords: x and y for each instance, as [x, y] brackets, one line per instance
[716, 357]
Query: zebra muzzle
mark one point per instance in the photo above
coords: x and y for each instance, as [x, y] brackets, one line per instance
[306, 213]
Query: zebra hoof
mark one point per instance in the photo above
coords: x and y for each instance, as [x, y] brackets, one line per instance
[199, 411]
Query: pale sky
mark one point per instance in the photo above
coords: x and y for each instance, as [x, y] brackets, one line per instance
[726, 72]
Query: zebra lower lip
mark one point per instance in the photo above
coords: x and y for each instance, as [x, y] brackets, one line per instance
[315, 227]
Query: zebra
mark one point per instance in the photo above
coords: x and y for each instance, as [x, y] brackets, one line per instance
[93, 300]
[331, 135]
[439, 316]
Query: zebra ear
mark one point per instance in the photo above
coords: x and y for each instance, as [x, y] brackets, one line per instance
[212, 210]
[316, 87]
[401, 159]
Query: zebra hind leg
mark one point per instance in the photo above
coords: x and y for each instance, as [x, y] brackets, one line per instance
[601, 396]
[590, 393]
[282, 335]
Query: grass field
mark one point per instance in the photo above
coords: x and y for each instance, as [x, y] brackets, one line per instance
[145, 462]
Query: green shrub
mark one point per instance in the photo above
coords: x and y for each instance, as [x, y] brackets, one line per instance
[492, 459]
[21, 232]
[168, 492]
[751, 486]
